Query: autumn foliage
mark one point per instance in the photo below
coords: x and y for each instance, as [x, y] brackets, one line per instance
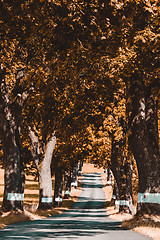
[86, 71]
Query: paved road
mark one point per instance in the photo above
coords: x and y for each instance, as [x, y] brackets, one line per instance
[87, 220]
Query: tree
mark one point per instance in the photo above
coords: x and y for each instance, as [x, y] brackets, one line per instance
[43, 167]
[11, 111]
[114, 42]
[138, 66]
[145, 145]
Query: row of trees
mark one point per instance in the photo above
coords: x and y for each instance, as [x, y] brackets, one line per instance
[86, 73]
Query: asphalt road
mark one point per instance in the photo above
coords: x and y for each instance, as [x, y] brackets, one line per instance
[86, 220]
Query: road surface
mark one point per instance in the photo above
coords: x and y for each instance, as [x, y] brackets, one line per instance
[86, 220]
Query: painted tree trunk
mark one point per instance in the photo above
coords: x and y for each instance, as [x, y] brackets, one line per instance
[58, 187]
[67, 184]
[45, 179]
[80, 166]
[144, 145]
[116, 171]
[118, 166]
[75, 176]
[43, 168]
[14, 178]
[109, 176]
[126, 204]
[115, 194]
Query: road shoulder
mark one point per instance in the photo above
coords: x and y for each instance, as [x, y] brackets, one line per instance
[150, 231]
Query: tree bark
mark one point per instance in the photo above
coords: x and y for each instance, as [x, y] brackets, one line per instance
[45, 179]
[144, 145]
[14, 177]
[57, 202]
[119, 167]
[75, 176]
[67, 184]
[109, 176]
[80, 166]
[115, 194]
[43, 168]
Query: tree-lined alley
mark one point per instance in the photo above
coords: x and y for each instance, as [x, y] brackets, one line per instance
[79, 82]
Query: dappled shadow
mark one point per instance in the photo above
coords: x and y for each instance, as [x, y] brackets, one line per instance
[93, 186]
[68, 224]
[92, 181]
[86, 218]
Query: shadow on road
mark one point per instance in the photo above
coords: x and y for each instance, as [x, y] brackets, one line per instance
[67, 225]
[87, 218]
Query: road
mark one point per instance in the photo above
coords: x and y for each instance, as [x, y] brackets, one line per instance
[86, 220]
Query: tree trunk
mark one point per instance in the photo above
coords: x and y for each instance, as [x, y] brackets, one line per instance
[43, 168]
[58, 187]
[109, 177]
[75, 176]
[115, 194]
[14, 178]
[144, 145]
[45, 179]
[67, 184]
[80, 168]
[118, 166]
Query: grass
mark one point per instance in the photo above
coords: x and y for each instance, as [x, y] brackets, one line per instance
[29, 201]
[140, 222]
[32, 201]
[107, 204]
[19, 216]
[13, 217]
[32, 186]
[67, 203]
[31, 195]
[30, 205]
[31, 180]
[47, 213]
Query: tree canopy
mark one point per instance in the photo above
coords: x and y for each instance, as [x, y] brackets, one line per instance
[75, 68]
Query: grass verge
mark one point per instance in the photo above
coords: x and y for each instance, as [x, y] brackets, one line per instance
[145, 221]
[13, 217]
[28, 214]
[32, 213]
